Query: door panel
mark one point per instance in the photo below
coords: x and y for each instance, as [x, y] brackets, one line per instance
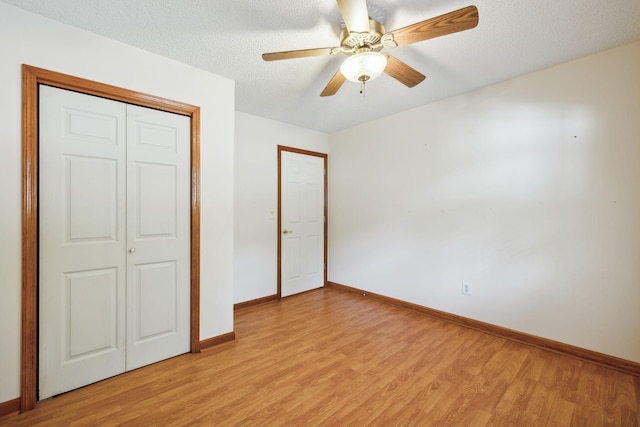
[302, 216]
[314, 258]
[82, 240]
[158, 235]
[156, 290]
[91, 326]
[293, 249]
[156, 202]
[92, 210]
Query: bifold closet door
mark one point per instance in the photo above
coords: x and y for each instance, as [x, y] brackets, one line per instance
[158, 235]
[113, 238]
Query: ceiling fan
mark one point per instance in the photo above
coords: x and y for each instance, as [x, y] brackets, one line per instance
[364, 38]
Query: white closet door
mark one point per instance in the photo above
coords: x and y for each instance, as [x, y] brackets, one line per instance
[302, 215]
[82, 246]
[114, 283]
[158, 235]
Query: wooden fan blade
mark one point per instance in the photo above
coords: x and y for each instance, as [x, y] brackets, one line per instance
[290, 54]
[355, 15]
[334, 84]
[402, 72]
[452, 22]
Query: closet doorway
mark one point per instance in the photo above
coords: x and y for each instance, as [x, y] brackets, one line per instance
[33, 80]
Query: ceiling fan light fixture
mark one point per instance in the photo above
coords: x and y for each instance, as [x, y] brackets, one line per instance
[363, 66]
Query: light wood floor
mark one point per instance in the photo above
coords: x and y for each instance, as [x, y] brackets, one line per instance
[328, 357]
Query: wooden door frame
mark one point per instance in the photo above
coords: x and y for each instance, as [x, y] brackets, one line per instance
[32, 77]
[324, 156]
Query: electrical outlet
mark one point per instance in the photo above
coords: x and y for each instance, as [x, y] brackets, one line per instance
[466, 288]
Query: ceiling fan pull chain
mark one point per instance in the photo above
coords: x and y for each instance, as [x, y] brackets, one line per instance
[362, 89]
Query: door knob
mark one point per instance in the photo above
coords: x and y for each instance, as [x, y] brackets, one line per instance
[285, 231]
[132, 250]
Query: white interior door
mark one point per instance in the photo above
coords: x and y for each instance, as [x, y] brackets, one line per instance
[82, 245]
[93, 292]
[302, 222]
[158, 235]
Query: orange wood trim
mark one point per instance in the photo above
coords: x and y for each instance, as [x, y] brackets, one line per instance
[9, 407]
[282, 148]
[78, 84]
[215, 341]
[195, 230]
[279, 227]
[612, 362]
[31, 78]
[29, 362]
[301, 151]
[256, 301]
[326, 219]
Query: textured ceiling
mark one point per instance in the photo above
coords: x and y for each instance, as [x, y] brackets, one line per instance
[228, 37]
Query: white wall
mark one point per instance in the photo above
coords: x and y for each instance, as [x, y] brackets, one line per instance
[529, 189]
[31, 39]
[256, 195]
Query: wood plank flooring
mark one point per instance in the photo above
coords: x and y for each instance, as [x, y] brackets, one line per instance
[335, 358]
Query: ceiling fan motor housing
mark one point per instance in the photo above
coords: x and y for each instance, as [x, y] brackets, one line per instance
[354, 42]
